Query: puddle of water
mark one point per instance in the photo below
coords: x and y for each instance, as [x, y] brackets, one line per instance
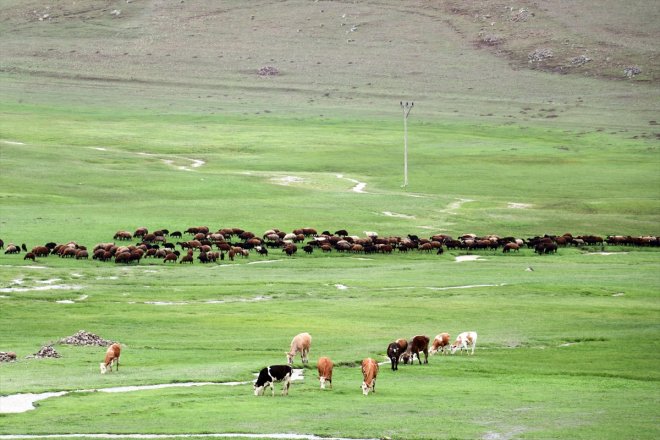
[286, 180]
[394, 214]
[18, 403]
[513, 205]
[471, 286]
[359, 186]
[71, 301]
[461, 258]
[39, 288]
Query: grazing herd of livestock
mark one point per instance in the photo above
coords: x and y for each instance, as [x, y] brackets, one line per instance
[199, 243]
[399, 350]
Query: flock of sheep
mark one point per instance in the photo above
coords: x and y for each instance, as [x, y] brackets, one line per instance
[205, 246]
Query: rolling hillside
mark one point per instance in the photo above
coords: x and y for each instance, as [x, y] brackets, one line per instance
[539, 62]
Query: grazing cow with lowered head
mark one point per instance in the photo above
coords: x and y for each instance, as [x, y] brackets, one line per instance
[417, 344]
[395, 350]
[464, 341]
[324, 367]
[300, 343]
[440, 343]
[111, 356]
[269, 375]
[369, 373]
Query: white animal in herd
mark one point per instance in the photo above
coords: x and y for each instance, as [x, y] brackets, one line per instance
[111, 356]
[324, 367]
[369, 373]
[300, 343]
[464, 341]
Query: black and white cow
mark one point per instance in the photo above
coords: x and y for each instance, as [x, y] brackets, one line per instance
[274, 373]
[394, 353]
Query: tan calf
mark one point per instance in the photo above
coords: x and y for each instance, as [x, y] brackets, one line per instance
[111, 356]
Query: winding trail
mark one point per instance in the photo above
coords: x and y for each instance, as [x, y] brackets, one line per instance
[359, 186]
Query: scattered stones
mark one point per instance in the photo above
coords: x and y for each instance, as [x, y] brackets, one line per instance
[489, 39]
[268, 71]
[8, 356]
[85, 338]
[523, 14]
[116, 12]
[47, 351]
[631, 71]
[540, 55]
[580, 60]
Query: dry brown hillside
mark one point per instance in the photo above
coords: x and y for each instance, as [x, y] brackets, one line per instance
[500, 59]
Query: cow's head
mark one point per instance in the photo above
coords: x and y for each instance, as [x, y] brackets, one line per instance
[289, 357]
[258, 390]
[104, 368]
[365, 388]
[322, 380]
[454, 347]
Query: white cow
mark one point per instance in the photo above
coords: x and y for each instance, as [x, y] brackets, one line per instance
[464, 341]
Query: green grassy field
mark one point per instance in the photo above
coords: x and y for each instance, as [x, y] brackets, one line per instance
[156, 117]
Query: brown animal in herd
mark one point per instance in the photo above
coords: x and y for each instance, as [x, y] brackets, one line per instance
[111, 356]
[369, 374]
[417, 344]
[440, 343]
[301, 343]
[324, 367]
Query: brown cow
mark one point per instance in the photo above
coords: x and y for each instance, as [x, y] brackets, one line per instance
[324, 367]
[111, 356]
[440, 343]
[417, 344]
[369, 373]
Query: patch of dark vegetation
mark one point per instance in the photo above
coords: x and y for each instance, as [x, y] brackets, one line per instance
[585, 339]
[350, 364]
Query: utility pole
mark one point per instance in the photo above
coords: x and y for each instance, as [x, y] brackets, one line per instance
[406, 111]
